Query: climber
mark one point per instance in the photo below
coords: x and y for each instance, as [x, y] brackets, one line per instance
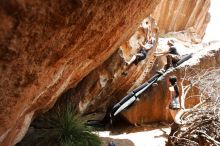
[172, 56]
[142, 53]
[149, 43]
[173, 104]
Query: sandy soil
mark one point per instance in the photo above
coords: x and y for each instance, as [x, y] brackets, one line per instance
[147, 135]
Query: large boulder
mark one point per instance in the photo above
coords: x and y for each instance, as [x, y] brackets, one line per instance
[152, 104]
[189, 16]
[50, 46]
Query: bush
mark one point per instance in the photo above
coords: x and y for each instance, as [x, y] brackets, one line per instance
[61, 127]
[72, 131]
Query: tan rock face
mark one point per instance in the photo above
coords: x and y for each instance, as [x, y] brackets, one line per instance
[190, 15]
[114, 79]
[151, 107]
[49, 46]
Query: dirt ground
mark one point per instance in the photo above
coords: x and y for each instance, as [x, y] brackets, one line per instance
[144, 135]
[118, 142]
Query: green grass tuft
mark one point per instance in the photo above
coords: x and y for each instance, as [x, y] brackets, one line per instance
[61, 127]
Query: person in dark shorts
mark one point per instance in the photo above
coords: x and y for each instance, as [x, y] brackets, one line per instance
[138, 57]
[172, 56]
[142, 53]
[173, 104]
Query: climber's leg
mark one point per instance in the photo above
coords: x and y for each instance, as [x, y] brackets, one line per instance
[132, 59]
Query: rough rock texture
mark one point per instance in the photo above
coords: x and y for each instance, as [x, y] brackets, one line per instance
[186, 36]
[190, 15]
[113, 79]
[49, 46]
[151, 107]
[106, 85]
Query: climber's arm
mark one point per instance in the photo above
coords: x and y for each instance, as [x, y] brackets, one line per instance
[161, 53]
